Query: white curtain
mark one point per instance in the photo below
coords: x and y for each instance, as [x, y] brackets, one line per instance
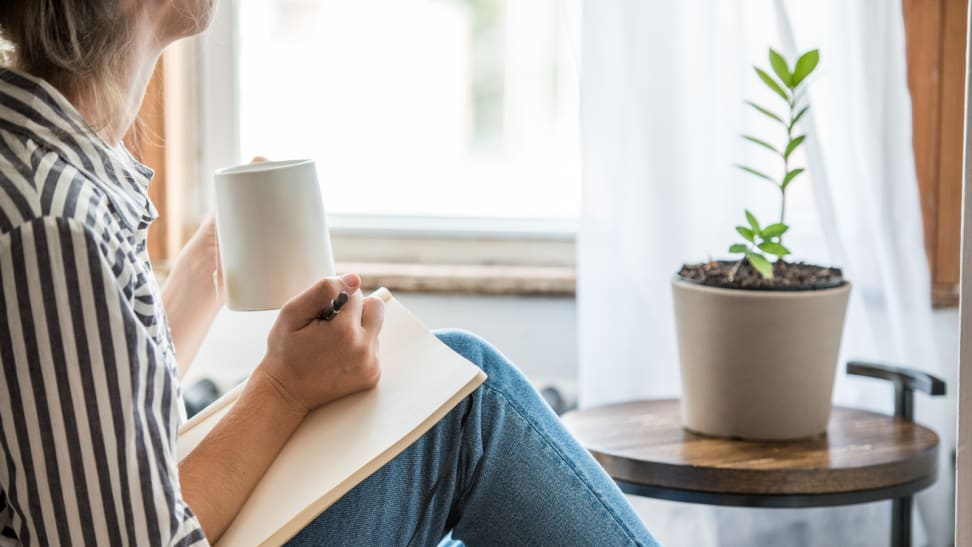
[662, 91]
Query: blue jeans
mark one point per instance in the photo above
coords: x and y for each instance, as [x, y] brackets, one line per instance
[499, 469]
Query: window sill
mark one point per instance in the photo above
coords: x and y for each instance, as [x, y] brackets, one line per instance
[491, 280]
[549, 281]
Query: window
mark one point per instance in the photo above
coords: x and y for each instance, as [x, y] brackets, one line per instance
[416, 109]
[459, 108]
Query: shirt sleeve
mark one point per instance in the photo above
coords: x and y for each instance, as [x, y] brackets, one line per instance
[87, 419]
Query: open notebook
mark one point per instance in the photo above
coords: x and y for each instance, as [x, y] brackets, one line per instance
[340, 444]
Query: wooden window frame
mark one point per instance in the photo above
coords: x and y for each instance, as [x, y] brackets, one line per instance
[935, 36]
[146, 141]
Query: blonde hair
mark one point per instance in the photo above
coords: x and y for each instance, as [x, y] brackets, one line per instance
[78, 46]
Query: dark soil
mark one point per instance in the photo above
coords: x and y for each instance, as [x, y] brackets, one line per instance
[732, 274]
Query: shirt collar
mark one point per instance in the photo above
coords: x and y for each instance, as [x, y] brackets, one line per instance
[33, 108]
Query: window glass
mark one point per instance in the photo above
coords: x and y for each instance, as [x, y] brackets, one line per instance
[452, 108]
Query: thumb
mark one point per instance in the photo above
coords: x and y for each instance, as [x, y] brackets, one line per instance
[372, 315]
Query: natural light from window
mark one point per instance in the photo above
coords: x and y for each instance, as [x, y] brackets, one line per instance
[434, 108]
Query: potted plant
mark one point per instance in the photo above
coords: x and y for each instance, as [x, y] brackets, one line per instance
[758, 336]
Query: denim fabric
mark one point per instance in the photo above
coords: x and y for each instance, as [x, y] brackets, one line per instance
[499, 469]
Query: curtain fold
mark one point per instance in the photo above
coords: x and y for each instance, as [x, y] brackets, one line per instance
[662, 91]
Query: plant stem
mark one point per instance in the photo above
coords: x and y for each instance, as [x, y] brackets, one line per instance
[786, 159]
[735, 270]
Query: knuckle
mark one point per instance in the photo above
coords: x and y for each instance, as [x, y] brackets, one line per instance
[376, 305]
[346, 331]
[368, 368]
[373, 374]
[362, 353]
[326, 285]
[376, 319]
[288, 308]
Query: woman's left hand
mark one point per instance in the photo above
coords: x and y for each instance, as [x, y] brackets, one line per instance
[206, 268]
[193, 292]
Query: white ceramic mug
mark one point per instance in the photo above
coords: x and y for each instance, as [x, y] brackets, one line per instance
[273, 237]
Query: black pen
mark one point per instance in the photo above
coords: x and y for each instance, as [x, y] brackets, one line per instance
[335, 308]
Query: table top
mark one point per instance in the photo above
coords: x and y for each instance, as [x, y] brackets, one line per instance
[643, 445]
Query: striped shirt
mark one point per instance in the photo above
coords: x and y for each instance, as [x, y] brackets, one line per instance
[89, 392]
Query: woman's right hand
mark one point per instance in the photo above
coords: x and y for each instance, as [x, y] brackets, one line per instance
[312, 362]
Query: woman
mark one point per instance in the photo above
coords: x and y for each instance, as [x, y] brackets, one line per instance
[89, 396]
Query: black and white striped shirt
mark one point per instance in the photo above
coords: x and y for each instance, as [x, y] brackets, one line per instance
[89, 392]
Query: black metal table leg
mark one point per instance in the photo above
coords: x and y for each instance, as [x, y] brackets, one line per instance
[906, 381]
[901, 522]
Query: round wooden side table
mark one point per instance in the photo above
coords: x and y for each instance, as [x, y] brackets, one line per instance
[864, 457]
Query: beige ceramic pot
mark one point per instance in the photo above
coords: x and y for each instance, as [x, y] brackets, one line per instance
[757, 364]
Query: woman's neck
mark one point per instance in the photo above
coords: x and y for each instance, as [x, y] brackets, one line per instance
[116, 117]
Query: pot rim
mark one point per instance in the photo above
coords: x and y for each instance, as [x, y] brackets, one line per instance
[844, 285]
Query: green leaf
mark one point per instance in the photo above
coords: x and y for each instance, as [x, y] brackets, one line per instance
[769, 81]
[766, 112]
[764, 144]
[746, 233]
[762, 265]
[774, 248]
[779, 67]
[793, 146]
[738, 248]
[757, 173]
[774, 230]
[753, 222]
[805, 65]
[790, 176]
[797, 117]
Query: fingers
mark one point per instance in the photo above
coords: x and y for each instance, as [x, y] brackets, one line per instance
[372, 315]
[304, 307]
[352, 279]
[258, 159]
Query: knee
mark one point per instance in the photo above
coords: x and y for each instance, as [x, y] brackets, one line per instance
[478, 351]
[465, 343]
[503, 377]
